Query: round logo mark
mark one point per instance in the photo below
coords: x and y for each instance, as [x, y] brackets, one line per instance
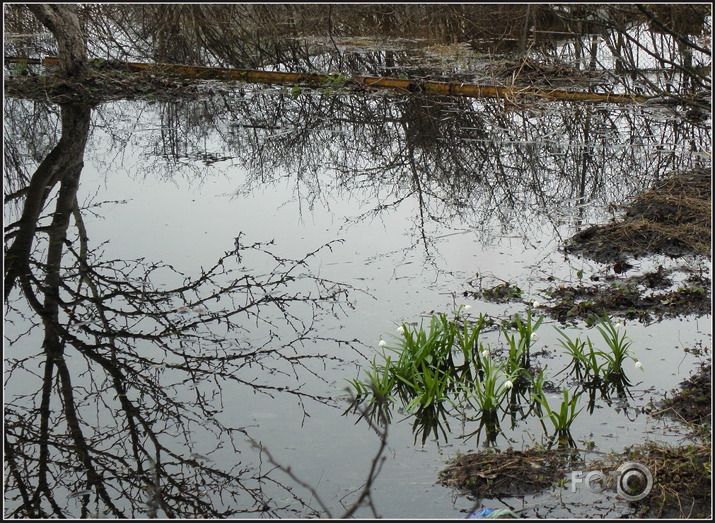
[633, 481]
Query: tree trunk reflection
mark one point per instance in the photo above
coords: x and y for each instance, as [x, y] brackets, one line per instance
[104, 426]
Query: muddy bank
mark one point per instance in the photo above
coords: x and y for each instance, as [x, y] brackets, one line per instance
[682, 486]
[692, 403]
[672, 218]
[491, 474]
[638, 297]
[680, 489]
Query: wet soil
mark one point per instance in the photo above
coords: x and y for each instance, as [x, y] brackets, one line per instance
[692, 403]
[491, 474]
[683, 488]
[684, 474]
[106, 81]
[681, 479]
[637, 297]
[501, 293]
[672, 218]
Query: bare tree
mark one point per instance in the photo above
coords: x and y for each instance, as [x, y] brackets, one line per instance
[64, 23]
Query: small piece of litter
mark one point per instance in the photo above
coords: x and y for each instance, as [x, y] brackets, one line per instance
[490, 513]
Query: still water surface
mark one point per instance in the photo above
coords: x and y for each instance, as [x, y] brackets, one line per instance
[424, 196]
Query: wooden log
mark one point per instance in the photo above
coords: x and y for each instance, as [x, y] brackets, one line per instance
[510, 93]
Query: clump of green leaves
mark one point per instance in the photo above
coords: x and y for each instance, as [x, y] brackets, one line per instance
[596, 366]
[296, 91]
[20, 68]
[563, 418]
[446, 363]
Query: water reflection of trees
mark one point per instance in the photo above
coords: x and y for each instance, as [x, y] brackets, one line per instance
[655, 49]
[114, 383]
[460, 162]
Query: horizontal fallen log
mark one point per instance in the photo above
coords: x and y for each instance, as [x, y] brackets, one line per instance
[374, 82]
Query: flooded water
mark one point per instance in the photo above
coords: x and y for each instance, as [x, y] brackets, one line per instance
[191, 284]
[420, 197]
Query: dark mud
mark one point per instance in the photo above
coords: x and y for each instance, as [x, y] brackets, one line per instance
[106, 81]
[489, 474]
[682, 484]
[692, 403]
[639, 297]
[501, 293]
[681, 479]
[672, 218]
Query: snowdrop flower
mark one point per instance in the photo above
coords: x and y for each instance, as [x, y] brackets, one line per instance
[536, 304]
[467, 308]
[382, 343]
[639, 365]
[618, 326]
[534, 336]
[400, 330]
[508, 384]
[485, 354]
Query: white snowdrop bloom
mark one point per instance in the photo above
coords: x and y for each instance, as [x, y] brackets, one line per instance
[382, 343]
[485, 354]
[639, 365]
[467, 308]
[508, 384]
[400, 330]
[534, 336]
[536, 304]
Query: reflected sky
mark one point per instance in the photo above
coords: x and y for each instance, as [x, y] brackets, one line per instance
[422, 194]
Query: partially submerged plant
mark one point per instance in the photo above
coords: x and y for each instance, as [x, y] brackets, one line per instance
[563, 418]
[380, 383]
[520, 350]
[595, 365]
[487, 394]
[446, 363]
[619, 345]
[468, 344]
[586, 364]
